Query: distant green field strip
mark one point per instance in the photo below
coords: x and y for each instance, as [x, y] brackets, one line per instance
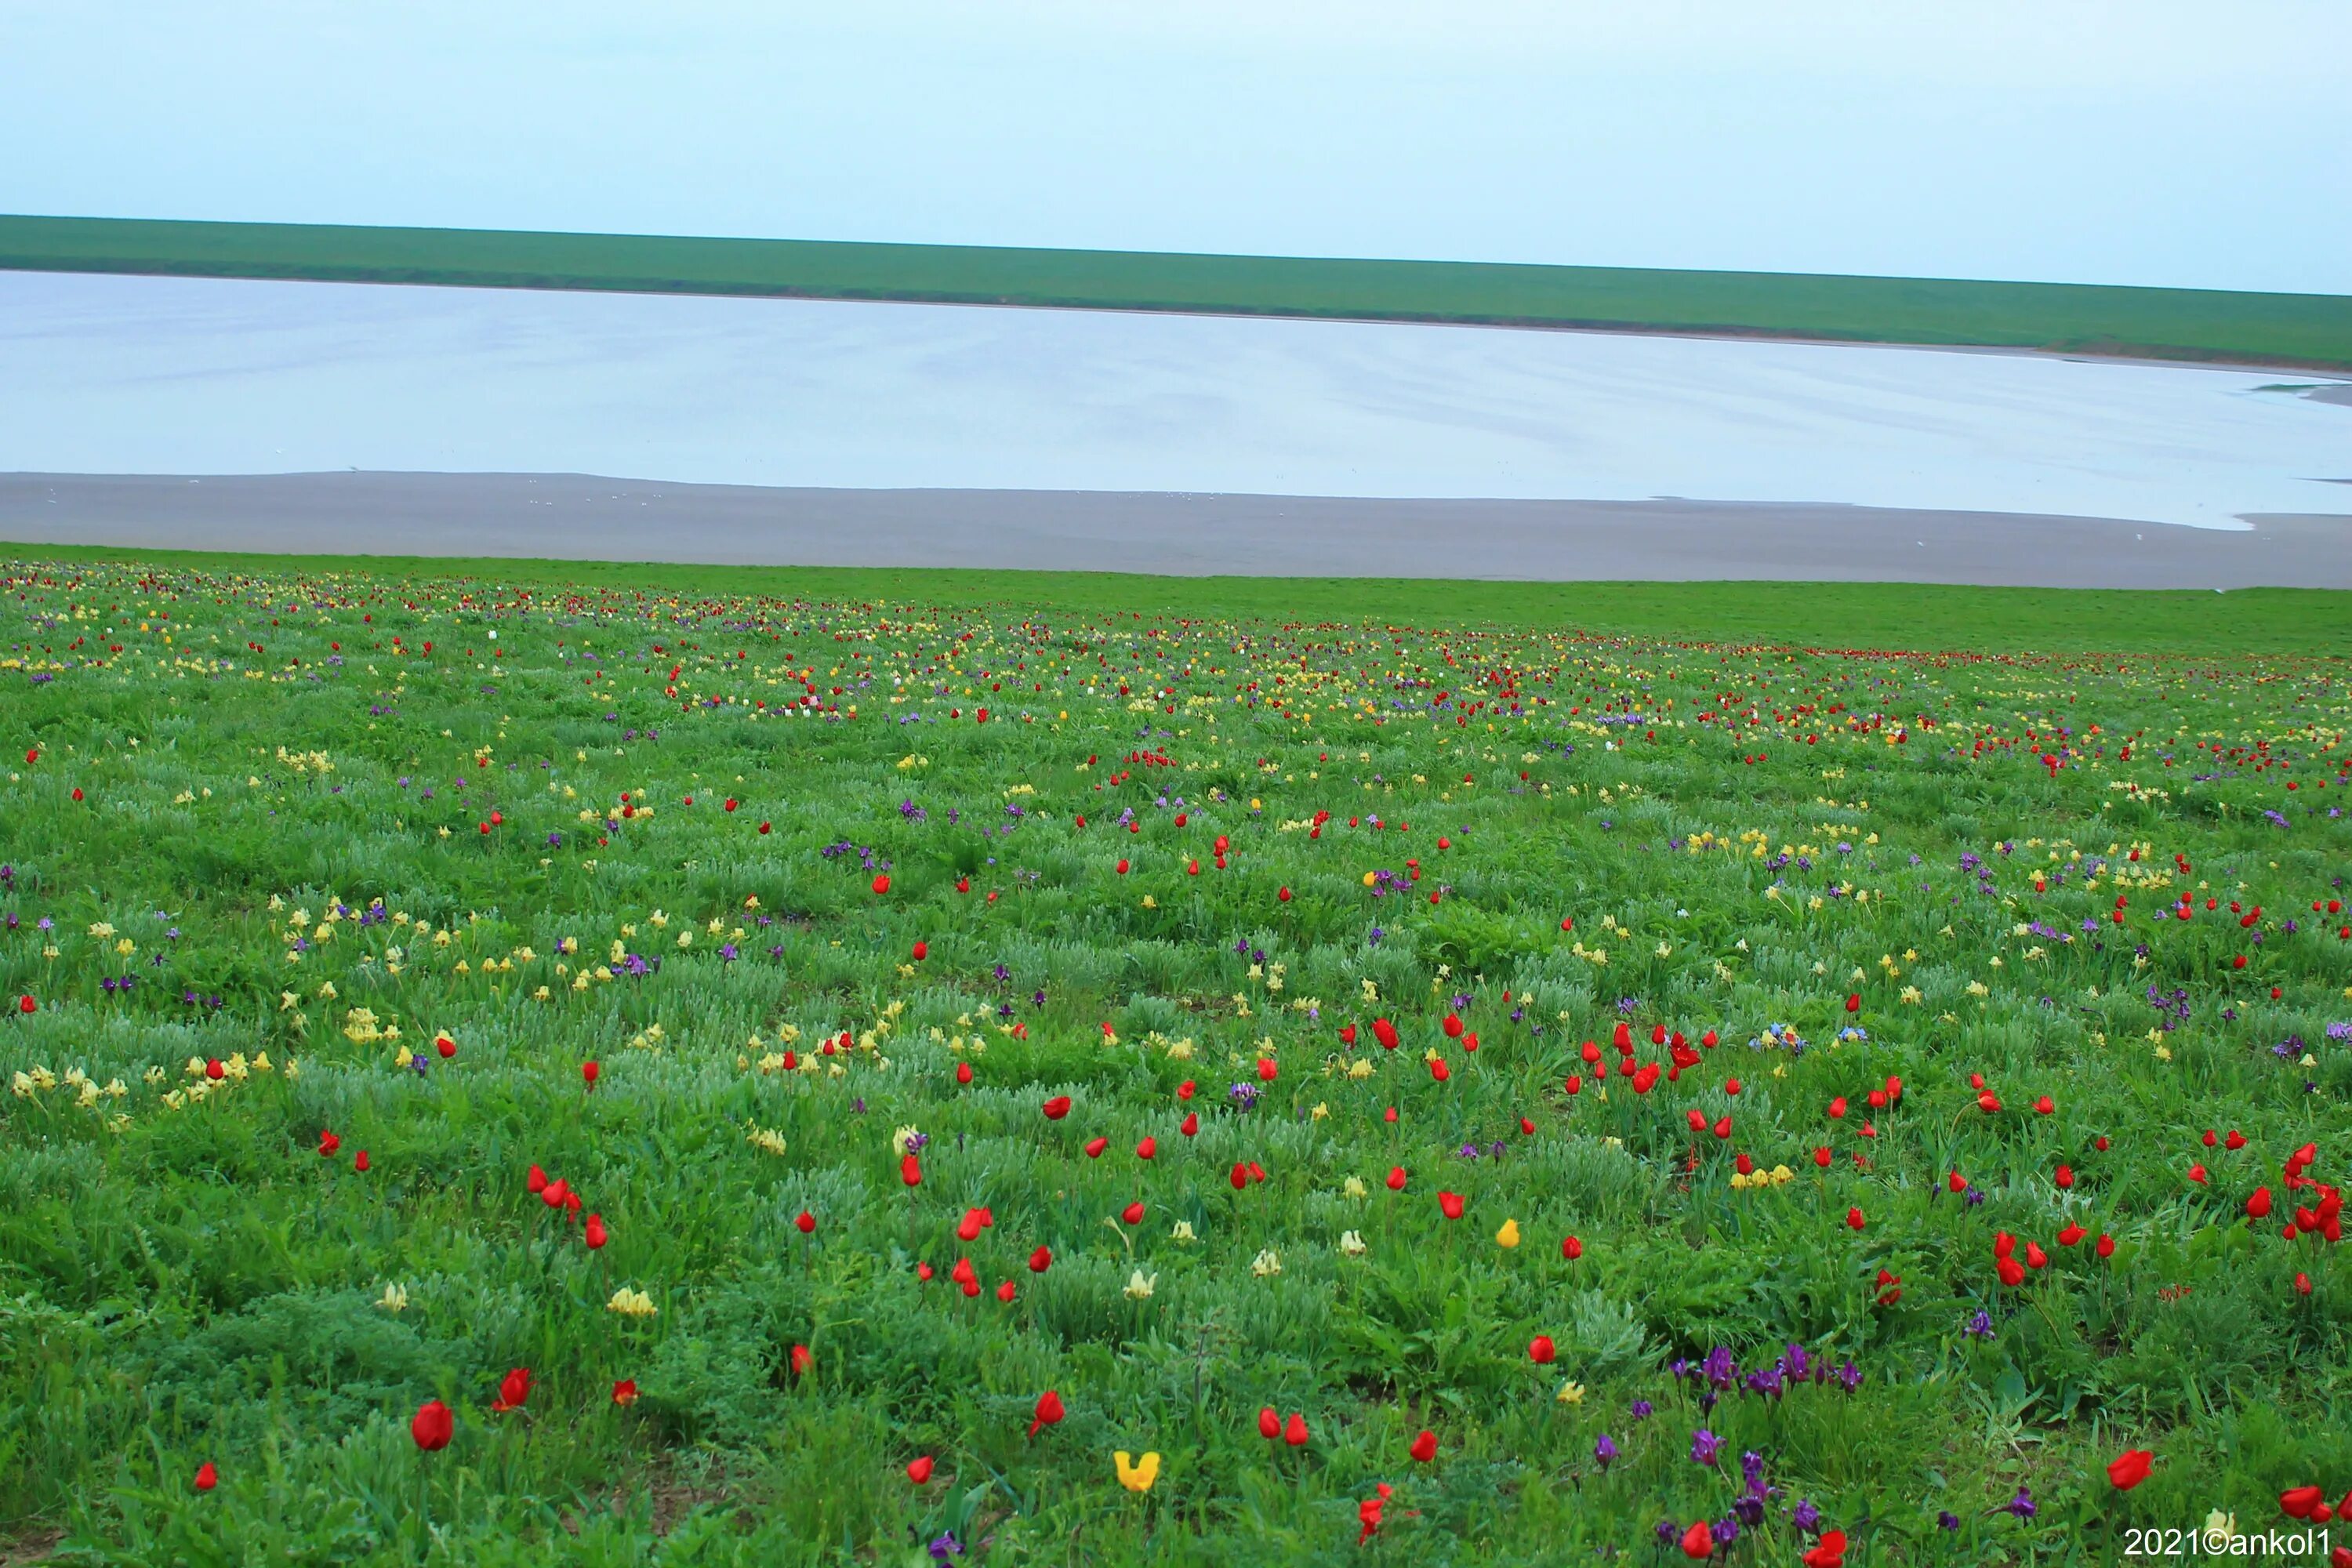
[2186, 323]
[1906, 615]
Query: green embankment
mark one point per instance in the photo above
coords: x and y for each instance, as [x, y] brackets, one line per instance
[2177, 323]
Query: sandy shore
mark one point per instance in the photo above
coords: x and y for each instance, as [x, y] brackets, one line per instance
[579, 517]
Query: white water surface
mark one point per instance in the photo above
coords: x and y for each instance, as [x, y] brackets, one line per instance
[147, 375]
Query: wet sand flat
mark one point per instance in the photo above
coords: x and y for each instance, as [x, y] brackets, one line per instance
[581, 517]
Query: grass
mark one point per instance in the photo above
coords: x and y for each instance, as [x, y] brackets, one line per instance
[2308, 330]
[1836, 616]
[272, 831]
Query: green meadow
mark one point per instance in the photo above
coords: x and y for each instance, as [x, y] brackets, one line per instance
[515, 1062]
[2307, 330]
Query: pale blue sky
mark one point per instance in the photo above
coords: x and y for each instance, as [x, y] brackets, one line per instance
[2160, 141]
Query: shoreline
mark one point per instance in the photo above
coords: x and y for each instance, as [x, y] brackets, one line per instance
[590, 518]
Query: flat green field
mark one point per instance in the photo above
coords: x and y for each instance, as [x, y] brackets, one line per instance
[520, 1062]
[1834, 616]
[2307, 330]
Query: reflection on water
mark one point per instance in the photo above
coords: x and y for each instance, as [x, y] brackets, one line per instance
[174, 375]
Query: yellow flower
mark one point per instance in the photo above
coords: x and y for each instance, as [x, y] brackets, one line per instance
[631, 1303]
[1267, 1264]
[1139, 1286]
[1572, 1393]
[1509, 1234]
[1138, 1476]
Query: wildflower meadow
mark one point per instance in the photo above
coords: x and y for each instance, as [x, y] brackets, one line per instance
[508, 1071]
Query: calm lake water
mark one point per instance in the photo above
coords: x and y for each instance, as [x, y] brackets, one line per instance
[104, 374]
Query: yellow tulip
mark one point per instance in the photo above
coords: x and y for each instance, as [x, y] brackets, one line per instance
[1509, 1234]
[1138, 1477]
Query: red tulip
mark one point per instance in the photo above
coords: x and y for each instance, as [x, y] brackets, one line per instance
[445, 1046]
[1049, 1410]
[26, 1005]
[963, 1072]
[328, 1144]
[207, 1478]
[1348, 1034]
[911, 1171]
[2129, 1468]
[1829, 1551]
[588, 1071]
[922, 951]
[1057, 1107]
[596, 1236]
[2107, 1248]
[1396, 1178]
[802, 1358]
[625, 1392]
[1041, 1260]
[1269, 1424]
[1094, 1147]
[1146, 1149]
[1698, 1541]
[1439, 1070]
[433, 1425]
[1132, 1213]
[805, 1221]
[1385, 1033]
[1853, 1220]
[1190, 1125]
[1294, 1432]
[1424, 1448]
[1541, 1350]
[513, 1389]
[919, 1470]
[1571, 1249]
[1282, 896]
[1450, 1204]
[882, 883]
[2259, 1205]
[2299, 1502]
[360, 1161]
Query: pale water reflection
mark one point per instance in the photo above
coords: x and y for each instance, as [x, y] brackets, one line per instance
[108, 374]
